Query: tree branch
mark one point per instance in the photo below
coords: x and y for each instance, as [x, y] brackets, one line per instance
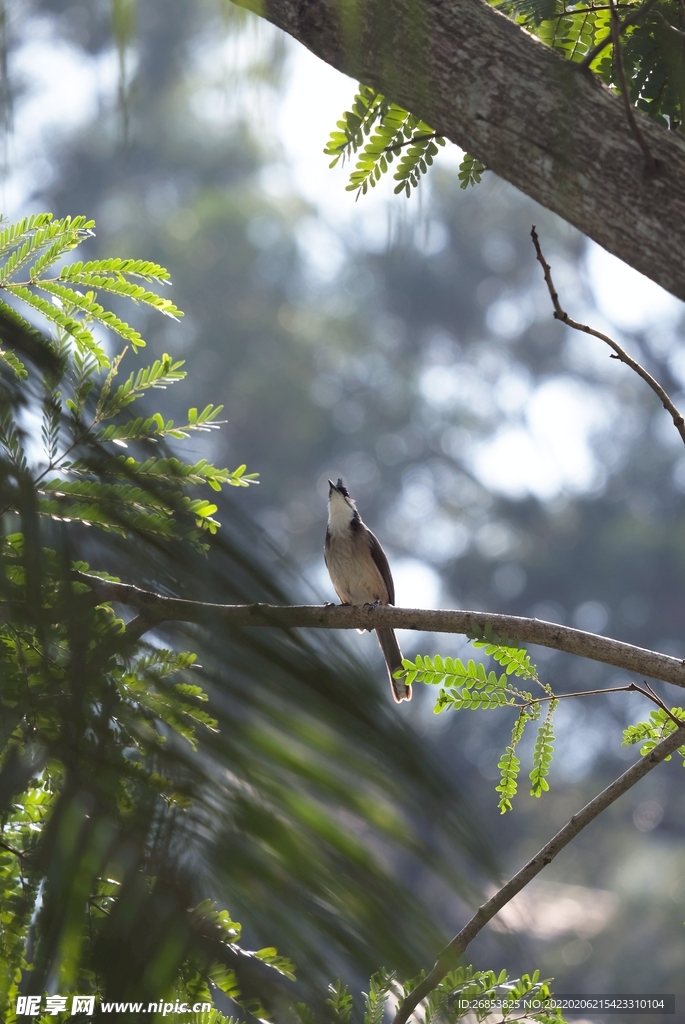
[620, 353]
[649, 693]
[156, 608]
[541, 122]
[449, 956]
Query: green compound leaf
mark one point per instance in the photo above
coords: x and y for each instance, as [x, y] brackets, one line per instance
[36, 234]
[470, 171]
[465, 686]
[543, 753]
[282, 964]
[340, 1002]
[381, 132]
[12, 235]
[119, 286]
[651, 47]
[416, 158]
[170, 470]
[79, 273]
[449, 999]
[509, 765]
[160, 374]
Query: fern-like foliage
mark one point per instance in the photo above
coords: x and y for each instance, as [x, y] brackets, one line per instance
[572, 28]
[33, 247]
[340, 1002]
[380, 987]
[83, 398]
[381, 132]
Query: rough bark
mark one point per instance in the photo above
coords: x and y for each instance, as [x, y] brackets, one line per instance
[157, 608]
[547, 126]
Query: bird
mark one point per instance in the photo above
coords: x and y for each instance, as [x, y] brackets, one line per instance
[360, 574]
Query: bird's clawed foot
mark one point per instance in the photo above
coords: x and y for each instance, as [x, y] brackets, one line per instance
[370, 606]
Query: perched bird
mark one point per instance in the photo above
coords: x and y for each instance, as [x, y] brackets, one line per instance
[359, 571]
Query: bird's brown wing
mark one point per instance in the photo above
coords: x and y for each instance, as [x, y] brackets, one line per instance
[381, 560]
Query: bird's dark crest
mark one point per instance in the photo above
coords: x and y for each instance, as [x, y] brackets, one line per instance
[340, 486]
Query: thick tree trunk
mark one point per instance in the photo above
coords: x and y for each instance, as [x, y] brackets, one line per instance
[542, 123]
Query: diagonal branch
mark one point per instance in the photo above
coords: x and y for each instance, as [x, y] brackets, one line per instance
[449, 956]
[620, 353]
[156, 608]
[543, 123]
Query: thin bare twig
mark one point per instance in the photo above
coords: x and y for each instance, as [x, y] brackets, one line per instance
[620, 353]
[651, 165]
[449, 956]
[160, 608]
[630, 20]
[649, 693]
[654, 696]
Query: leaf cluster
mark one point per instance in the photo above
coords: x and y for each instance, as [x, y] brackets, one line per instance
[653, 47]
[656, 728]
[82, 404]
[463, 993]
[472, 687]
[382, 132]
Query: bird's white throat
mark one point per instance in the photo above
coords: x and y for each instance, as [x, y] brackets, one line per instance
[340, 513]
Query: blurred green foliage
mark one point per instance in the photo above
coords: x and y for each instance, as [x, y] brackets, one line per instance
[125, 785]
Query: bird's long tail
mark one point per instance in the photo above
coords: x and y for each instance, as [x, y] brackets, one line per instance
[393, 659]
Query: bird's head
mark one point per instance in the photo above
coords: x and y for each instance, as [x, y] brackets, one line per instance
[341, 507]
